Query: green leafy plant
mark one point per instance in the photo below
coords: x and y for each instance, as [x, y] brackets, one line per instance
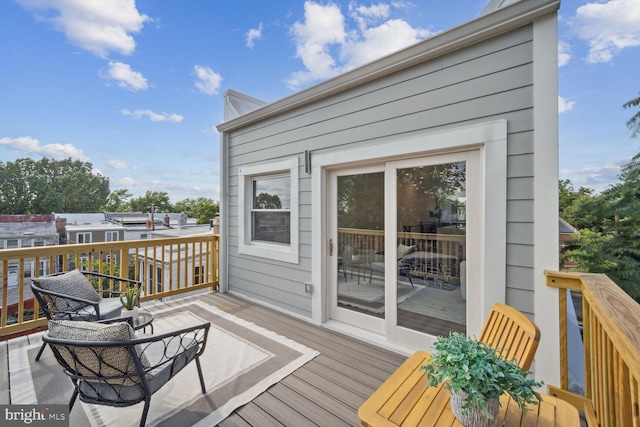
[467, 365]
[130, 297]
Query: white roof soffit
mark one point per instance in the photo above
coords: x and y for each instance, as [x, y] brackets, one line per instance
[489, 25]
[236, 104]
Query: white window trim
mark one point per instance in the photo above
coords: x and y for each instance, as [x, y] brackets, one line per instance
[85, 234]
[286, 253]
[112, 234]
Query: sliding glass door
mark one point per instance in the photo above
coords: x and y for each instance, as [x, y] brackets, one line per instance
[398, 234]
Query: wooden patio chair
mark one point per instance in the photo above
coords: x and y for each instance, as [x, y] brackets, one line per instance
[109, 365]
[506, 329]
[70, 296]
[512, 333]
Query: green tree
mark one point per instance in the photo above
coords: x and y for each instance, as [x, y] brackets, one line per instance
[15, 196]
[613, 246]
[44, 186]
[268, 201]
[151, 198]
[580, 208]
[118, 201]
[634, 122]
[202, 208]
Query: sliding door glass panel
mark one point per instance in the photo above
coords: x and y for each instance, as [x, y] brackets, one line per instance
[430, 264]
[360, 207]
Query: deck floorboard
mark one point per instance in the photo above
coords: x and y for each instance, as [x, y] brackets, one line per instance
[326, 391]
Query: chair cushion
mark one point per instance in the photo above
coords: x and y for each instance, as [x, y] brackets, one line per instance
[404, 250]
[157, 377]
[72, 283]
[98, 361]
[109, 308]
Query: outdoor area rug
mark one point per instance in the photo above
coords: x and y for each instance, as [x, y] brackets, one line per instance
[241, 361]
[370, 296]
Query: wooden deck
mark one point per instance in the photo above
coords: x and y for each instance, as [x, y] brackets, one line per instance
[327, 391]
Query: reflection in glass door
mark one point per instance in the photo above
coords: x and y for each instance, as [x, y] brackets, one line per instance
[398, 247]
[360, 221]
[431, 254]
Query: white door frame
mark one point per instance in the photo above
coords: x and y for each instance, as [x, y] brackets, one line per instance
[366, 322]
[490, 139]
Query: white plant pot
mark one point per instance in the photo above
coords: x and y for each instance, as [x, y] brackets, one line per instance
[130, 313]
[473, 417]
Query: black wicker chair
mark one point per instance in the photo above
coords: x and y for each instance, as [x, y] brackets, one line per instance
[78, 302]
[125, 372]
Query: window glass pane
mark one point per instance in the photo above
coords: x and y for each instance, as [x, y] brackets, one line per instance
[431, 212]
[272, 227]
[272, 193]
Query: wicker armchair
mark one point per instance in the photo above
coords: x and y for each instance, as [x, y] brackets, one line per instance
[109, 366]
[70, 296]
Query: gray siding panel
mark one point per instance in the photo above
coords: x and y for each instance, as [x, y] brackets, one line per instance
[520, 233]
[520, 278]
[520, 255]
[488, 81]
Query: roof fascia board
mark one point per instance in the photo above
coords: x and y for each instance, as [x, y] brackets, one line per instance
[484, 27]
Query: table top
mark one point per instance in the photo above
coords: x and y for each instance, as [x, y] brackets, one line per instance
[141, 320]
[144, 319]
[405, 399]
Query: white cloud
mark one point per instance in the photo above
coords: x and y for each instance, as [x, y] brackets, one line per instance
[125, 182]
[97, 26]
[564, 53]
[125, 77]
[153, 116]
[327, 46]
[254, 34]
[608, 27]
[207, 80]
[597, 177]
[564, 105]
[379, 41]
[366, 16]
[27, 144]
[323, 26]
[119, 164]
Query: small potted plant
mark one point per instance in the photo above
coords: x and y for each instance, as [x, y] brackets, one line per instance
[476, 376]
[129, 299]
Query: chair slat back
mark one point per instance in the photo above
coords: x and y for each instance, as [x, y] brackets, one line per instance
[512, 333]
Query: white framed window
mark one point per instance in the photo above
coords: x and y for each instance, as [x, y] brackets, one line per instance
[12, 244]
[84, 261]
[111, 236]
[268, 210]
[83, 237]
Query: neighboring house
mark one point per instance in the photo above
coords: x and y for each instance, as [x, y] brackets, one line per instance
[175, 266]
[89, 228]
[27, 231]
[567, 232]
[437, 163]
[139, 225]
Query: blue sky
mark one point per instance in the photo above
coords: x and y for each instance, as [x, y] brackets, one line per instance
[136, 87]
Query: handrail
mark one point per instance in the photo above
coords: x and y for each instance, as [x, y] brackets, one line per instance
[611, 330]
[372, 242]
[167, 267]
